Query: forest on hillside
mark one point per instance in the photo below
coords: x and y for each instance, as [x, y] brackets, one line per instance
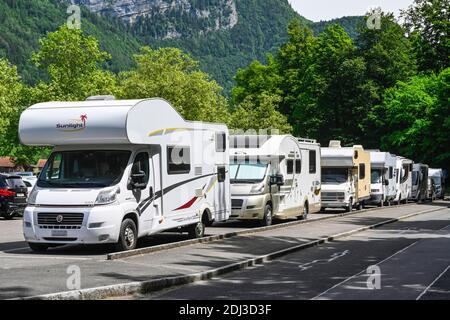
[261, 29]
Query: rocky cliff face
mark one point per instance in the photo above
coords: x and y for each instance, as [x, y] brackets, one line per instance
[169, 19]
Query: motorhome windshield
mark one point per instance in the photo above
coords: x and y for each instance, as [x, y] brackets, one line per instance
[248, 173]
[437, 181]
[84, 169]
[376, 176]
[334, 175]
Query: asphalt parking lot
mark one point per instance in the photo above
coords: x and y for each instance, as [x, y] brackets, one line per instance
[28, 274]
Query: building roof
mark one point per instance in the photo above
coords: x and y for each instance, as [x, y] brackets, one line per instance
[7, 162]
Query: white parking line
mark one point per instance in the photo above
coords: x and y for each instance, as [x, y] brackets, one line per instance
[365, 270]
[432, 284]
[16, 249]
[14, 256]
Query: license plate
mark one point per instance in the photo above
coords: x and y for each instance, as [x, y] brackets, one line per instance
[59, 233]
[21, 195]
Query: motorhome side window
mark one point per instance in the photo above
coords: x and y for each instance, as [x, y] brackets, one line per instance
[221, 174]
[391, 172]
[141, 164]
[290, 166]
[178, 160]
[362, 171]
[221, 145]
[312, 161]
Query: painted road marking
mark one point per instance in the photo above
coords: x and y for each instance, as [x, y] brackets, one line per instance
[432, 284]
[365, 270]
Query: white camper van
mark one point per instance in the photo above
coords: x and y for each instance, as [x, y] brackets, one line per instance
[403, 177]
[121, 170]
[383, 186]
[437, 175]
[419, 191]
[274, 177]
[345, 176]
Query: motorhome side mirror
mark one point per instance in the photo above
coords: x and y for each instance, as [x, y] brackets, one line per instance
[277, 179]
[137, 181]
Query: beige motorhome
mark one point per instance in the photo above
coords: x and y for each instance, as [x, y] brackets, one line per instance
[345, 176]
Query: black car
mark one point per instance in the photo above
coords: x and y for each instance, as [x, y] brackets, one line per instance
[13, 196]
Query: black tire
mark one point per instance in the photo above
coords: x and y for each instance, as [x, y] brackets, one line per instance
[197, 231]
[267, 219]
[360, 206]
[349, 208]
[206, 221]
[305, 213]
[38, 247]
[8, 216]
[128, 236]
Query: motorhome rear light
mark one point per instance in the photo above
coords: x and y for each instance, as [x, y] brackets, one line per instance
[7, 193]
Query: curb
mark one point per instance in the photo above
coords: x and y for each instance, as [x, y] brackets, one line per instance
[146, 287]
[137, 252]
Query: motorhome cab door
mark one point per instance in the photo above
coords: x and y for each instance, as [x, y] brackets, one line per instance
[143, 183]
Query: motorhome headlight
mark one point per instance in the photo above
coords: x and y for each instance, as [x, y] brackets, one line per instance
[257, 188]
[107, 196]
[33, 196]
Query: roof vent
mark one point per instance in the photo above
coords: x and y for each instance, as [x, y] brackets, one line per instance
[335, 144]
[101, 98]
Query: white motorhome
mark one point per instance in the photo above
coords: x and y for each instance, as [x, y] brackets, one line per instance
[274, 177]
[419, 191]
[383, 185]
[437, 175]
[345, 176]
[403, 177]
[121, 170]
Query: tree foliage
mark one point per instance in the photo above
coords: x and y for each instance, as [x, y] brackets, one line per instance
[429, 24]
[417, 116]
[173, 75]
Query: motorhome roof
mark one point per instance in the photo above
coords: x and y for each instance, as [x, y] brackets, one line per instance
[435, 172]
[337, 156]
[258, 146]
[104, 122]
[85, 104]
[380, 159]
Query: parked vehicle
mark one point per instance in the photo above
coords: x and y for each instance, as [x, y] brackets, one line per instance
[403, 178]
[345, 176]
[13, 196]
[274, 177]
[30, 182]
[383, 186]
[437, 175]
[431, 195]
[419, 191]
[121, 170]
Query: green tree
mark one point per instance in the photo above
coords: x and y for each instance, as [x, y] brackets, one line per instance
[73, 62]
[387, 51]
[428, 22]
[260, 113]
[10, 93]
[256, 79]
[13, 100]
[173, 75]
[417, 116]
